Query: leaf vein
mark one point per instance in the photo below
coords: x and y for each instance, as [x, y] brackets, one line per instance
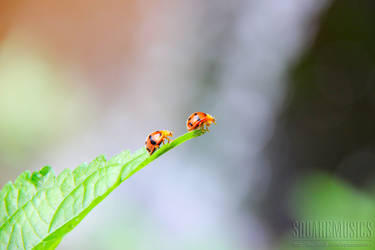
[23, 238]
[6, 203]
[38, 213]
[62, 202]
[32, 226]
[18, 198]
[10, 235]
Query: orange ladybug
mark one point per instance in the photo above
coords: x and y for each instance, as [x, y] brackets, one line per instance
[156, 138]
[199, 120]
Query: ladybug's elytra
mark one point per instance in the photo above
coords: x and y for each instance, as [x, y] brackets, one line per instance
[199, 120]
[155, 139]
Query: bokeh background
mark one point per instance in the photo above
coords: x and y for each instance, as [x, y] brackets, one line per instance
[290, 82]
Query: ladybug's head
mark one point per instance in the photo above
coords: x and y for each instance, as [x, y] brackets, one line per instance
[166, 133]
[211, 119]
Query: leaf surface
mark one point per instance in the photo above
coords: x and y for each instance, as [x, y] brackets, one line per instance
[40, 208]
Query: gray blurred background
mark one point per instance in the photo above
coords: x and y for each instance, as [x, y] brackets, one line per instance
[291, 84]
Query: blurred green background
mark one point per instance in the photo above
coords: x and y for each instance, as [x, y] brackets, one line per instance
[291, 84]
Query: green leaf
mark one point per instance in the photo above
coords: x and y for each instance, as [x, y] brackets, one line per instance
[39, 208]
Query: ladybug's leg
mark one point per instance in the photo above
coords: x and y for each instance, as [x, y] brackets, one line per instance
[152, 150]
[201, 127]
[163, 141]
[204, 129]
[207, 125]
[166, 138]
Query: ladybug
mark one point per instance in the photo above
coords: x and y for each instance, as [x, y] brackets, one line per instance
[156, 138]
[199, 120]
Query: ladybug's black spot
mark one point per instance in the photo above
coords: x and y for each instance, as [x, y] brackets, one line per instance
[189, 119]
[148, 149]
[195, 113]
[149, 137]
[191, 124]
[152, 141]
[198, 119]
